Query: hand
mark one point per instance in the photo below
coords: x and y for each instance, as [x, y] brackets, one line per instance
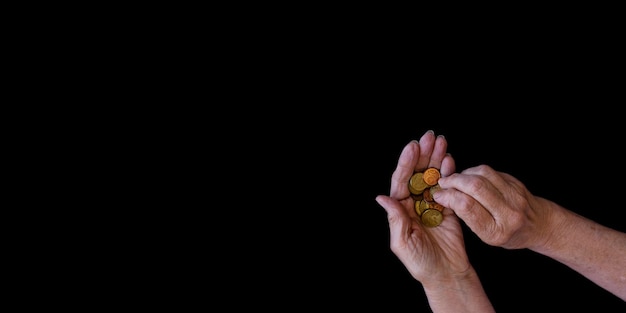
[497, 207]
[431, 254]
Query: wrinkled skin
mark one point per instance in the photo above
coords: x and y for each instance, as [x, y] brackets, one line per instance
[431, 254]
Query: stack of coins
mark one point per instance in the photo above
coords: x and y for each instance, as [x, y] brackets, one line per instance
[422, 186]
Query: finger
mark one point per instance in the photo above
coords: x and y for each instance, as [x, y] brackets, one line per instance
[477, 186]
[448, 166]
[475, 216]
[427, 143]
[399, 220]
[487, 172]
[439, 152]
[484, 185]
[480, 187]
[404, 170]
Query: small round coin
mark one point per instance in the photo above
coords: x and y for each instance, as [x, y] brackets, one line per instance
[434, 189]
[432, 217]
[421, 206]
[428, 195]
[437, 206]
[417, 183]
[431, 176]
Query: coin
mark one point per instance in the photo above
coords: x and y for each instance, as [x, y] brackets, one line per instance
[431, 217]
[417, 183]
[422, 186]
[431, 176]
[437, 206]
[434, 189]
[428, 194]
[421, 206]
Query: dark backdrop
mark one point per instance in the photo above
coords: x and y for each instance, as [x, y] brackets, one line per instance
[335, 235]
[322, 124]
[270, 132]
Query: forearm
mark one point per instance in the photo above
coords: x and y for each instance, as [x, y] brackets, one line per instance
[593, 250]
[458, 295]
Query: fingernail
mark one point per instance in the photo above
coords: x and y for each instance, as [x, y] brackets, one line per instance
[436, 195]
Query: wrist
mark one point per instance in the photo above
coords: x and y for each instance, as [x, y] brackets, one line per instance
[461, 292]
[455, 281]
[551, 235]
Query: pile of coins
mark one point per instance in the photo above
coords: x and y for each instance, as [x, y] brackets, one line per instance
[422, 186]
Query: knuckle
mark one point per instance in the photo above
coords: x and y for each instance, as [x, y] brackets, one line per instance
[483, 169]
[476, 185]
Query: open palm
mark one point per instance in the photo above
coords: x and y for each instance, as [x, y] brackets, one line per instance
[429, 253]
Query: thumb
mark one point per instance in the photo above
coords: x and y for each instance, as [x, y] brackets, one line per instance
[466, 208]
[389, 204]
[399, 219]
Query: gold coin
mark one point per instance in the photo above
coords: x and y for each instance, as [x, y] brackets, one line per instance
[437, 206]
[432, 217]
[427, 194]
[414, 191]
[431, 176]
[434, 189]
[421, 206]
[417, 183]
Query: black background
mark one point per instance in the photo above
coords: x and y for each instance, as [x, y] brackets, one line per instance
[283, 215]
[254, 146]
[336, 235]
[314, 130]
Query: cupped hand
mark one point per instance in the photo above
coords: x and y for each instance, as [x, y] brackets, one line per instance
[429, 253]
